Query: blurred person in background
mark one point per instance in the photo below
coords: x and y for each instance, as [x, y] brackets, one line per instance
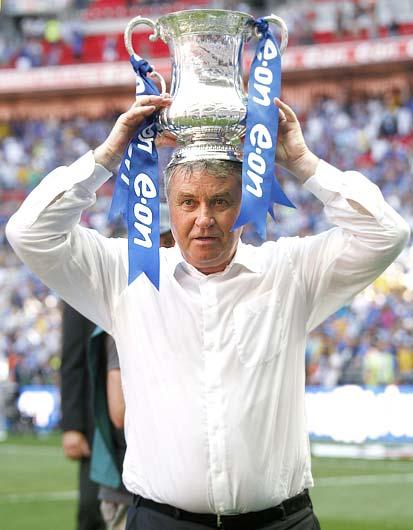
[109, 444]
[110, 49]
[77, 414]
[378, 363]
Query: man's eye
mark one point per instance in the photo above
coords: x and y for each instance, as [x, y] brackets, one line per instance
[188, 202]
[221, 202]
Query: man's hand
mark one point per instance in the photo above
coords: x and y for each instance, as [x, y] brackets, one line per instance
[75, 445]
[292, 151]
[109, 154]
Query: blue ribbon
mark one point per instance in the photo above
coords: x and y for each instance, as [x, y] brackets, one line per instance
[260, 188]
[136, 195]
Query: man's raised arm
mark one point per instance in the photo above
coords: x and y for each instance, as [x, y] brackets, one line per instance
[88, 270]
[332, 267]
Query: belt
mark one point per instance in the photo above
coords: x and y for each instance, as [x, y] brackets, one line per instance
[246, 521]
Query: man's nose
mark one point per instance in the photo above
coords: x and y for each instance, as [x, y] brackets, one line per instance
[205, 218]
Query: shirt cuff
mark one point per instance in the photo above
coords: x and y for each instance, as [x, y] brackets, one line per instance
[328, 183]
[87, 172]
[84, 172]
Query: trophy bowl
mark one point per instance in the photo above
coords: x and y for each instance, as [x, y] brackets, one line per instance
[209, 104]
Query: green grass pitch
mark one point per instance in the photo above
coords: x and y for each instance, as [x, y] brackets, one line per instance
[38, 490]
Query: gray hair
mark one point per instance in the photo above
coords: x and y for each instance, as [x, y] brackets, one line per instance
[216, 168]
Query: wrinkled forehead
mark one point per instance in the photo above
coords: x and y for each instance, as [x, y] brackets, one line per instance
[217, 176]
[205, 184]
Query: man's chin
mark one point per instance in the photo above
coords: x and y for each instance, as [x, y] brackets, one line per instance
[208, 263]
[208, 259]
[202, 261]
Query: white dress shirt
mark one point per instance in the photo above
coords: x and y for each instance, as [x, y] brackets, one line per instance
[212, 366]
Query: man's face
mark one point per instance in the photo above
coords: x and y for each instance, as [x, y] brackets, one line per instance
[203, 208]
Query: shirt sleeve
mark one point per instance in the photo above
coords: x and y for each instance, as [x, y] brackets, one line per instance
[332, 267]
[83, 267]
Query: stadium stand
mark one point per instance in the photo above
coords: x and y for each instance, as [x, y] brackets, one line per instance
[367, 342]
[95, 33]
[364, 123]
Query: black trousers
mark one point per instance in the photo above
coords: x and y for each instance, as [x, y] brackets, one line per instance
[142, 518]
[88, 508]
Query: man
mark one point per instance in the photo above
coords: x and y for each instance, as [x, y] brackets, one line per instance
[215, 421]
[77, 420]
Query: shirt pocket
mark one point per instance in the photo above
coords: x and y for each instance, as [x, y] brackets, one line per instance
[259, 330]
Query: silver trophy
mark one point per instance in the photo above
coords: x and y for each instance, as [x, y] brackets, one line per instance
[207, 114]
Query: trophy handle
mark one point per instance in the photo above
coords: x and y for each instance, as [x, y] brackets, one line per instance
[283, 29]
[128, 43]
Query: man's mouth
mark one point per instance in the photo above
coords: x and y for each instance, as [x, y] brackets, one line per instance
[206, 238]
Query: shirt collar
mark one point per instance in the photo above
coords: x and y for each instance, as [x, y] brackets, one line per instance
[245, 255]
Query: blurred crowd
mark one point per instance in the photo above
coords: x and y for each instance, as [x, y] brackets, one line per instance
[83, 36]
[370, 341]
[50, 42]
[328, 20]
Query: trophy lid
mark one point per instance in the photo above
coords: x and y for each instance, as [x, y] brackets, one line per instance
[203, 151]
[178, 23]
